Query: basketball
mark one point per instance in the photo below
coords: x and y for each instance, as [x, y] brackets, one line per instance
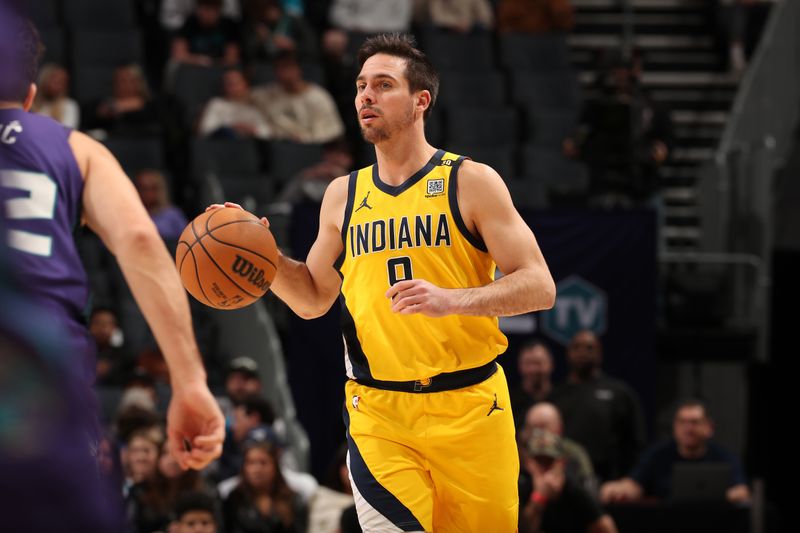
[226, 258]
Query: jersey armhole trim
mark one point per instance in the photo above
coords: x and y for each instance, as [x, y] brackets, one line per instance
[348, 211]
[452, 194]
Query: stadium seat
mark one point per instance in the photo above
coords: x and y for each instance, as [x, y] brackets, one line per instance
[561, 176]
[471, 89]
[53, 39]
[226, 157]
[546, 90]
[112, 48]
[448, 51]
[92, 83]
[529, 51]
[548, 127]
[99, 14]
[434, 127]
[287, 158]
[135, 154]
[250, 192]
[43, 13]
[193, 86]
[263, 73]
[482, 127]
[500, 158]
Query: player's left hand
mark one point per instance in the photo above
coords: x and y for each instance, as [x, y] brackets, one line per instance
[419, 296]
[194, 417]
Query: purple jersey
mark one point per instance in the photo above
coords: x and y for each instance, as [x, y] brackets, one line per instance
[41, 188]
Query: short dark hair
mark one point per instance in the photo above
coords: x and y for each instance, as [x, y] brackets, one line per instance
[530, 344]
[194, 501]
[256, 404]
[20, 52]
[420, 72]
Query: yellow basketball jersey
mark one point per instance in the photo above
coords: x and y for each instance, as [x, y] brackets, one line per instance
[413, 230]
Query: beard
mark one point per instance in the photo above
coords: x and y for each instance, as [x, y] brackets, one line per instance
[376, 134]
[585, 369]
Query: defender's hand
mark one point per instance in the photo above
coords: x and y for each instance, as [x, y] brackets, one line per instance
[195, 426]
[235, 206]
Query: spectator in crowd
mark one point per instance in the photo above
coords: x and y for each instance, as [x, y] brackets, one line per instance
[692, 431]
[242, 380]
[535, 16]
[623, 137]
[168, 218]
[148, 509]
[173, 13]
[601, 413]
[130, 110]
[535, 364]
[457, 16]
[351, 18]
[195, 513]
[115, 364]
[207, 37]
[555, 502]
[332, 498]
[577, 465]
[311, 182]
[252, 421]
[263, 502]
[234, 115]
[296, 109]
[53, 98]
[270, 30]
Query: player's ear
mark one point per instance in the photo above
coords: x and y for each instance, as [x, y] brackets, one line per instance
[28, 103]
[423, 100]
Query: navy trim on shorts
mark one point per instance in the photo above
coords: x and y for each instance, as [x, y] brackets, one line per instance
[439, 383]
[395, 190]
[373, 492]
[452, 194]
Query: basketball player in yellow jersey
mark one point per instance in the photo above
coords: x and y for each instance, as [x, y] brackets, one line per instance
[411, 245]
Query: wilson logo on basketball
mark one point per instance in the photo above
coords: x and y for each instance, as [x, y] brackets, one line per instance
[246, 269]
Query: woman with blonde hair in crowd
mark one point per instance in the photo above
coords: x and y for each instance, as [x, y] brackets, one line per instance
[130, 109]
[53, 98]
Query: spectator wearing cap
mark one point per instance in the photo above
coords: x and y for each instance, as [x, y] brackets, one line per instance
[578, 465]
[554, 502]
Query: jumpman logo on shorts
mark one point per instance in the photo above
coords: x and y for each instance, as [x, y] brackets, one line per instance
[494, 407]
[364, 203]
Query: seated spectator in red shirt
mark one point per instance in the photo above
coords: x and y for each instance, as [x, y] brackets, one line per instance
[692, 431]
[207, 38]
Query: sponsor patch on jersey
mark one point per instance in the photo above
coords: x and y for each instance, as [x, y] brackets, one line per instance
[435, 187]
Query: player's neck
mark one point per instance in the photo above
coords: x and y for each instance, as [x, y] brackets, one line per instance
[400, 158]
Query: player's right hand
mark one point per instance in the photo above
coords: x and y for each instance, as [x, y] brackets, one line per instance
[195, 426]
[235, 206]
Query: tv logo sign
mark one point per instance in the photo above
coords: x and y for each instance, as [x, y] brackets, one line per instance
[579, 305]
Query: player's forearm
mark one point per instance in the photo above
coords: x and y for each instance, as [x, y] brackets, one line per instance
[295, 286]
[152, 277]
[522, 291]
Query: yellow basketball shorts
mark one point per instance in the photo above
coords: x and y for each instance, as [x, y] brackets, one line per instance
[445, 461]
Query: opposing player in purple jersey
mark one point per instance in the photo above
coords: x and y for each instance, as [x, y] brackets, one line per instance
[52, 179]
